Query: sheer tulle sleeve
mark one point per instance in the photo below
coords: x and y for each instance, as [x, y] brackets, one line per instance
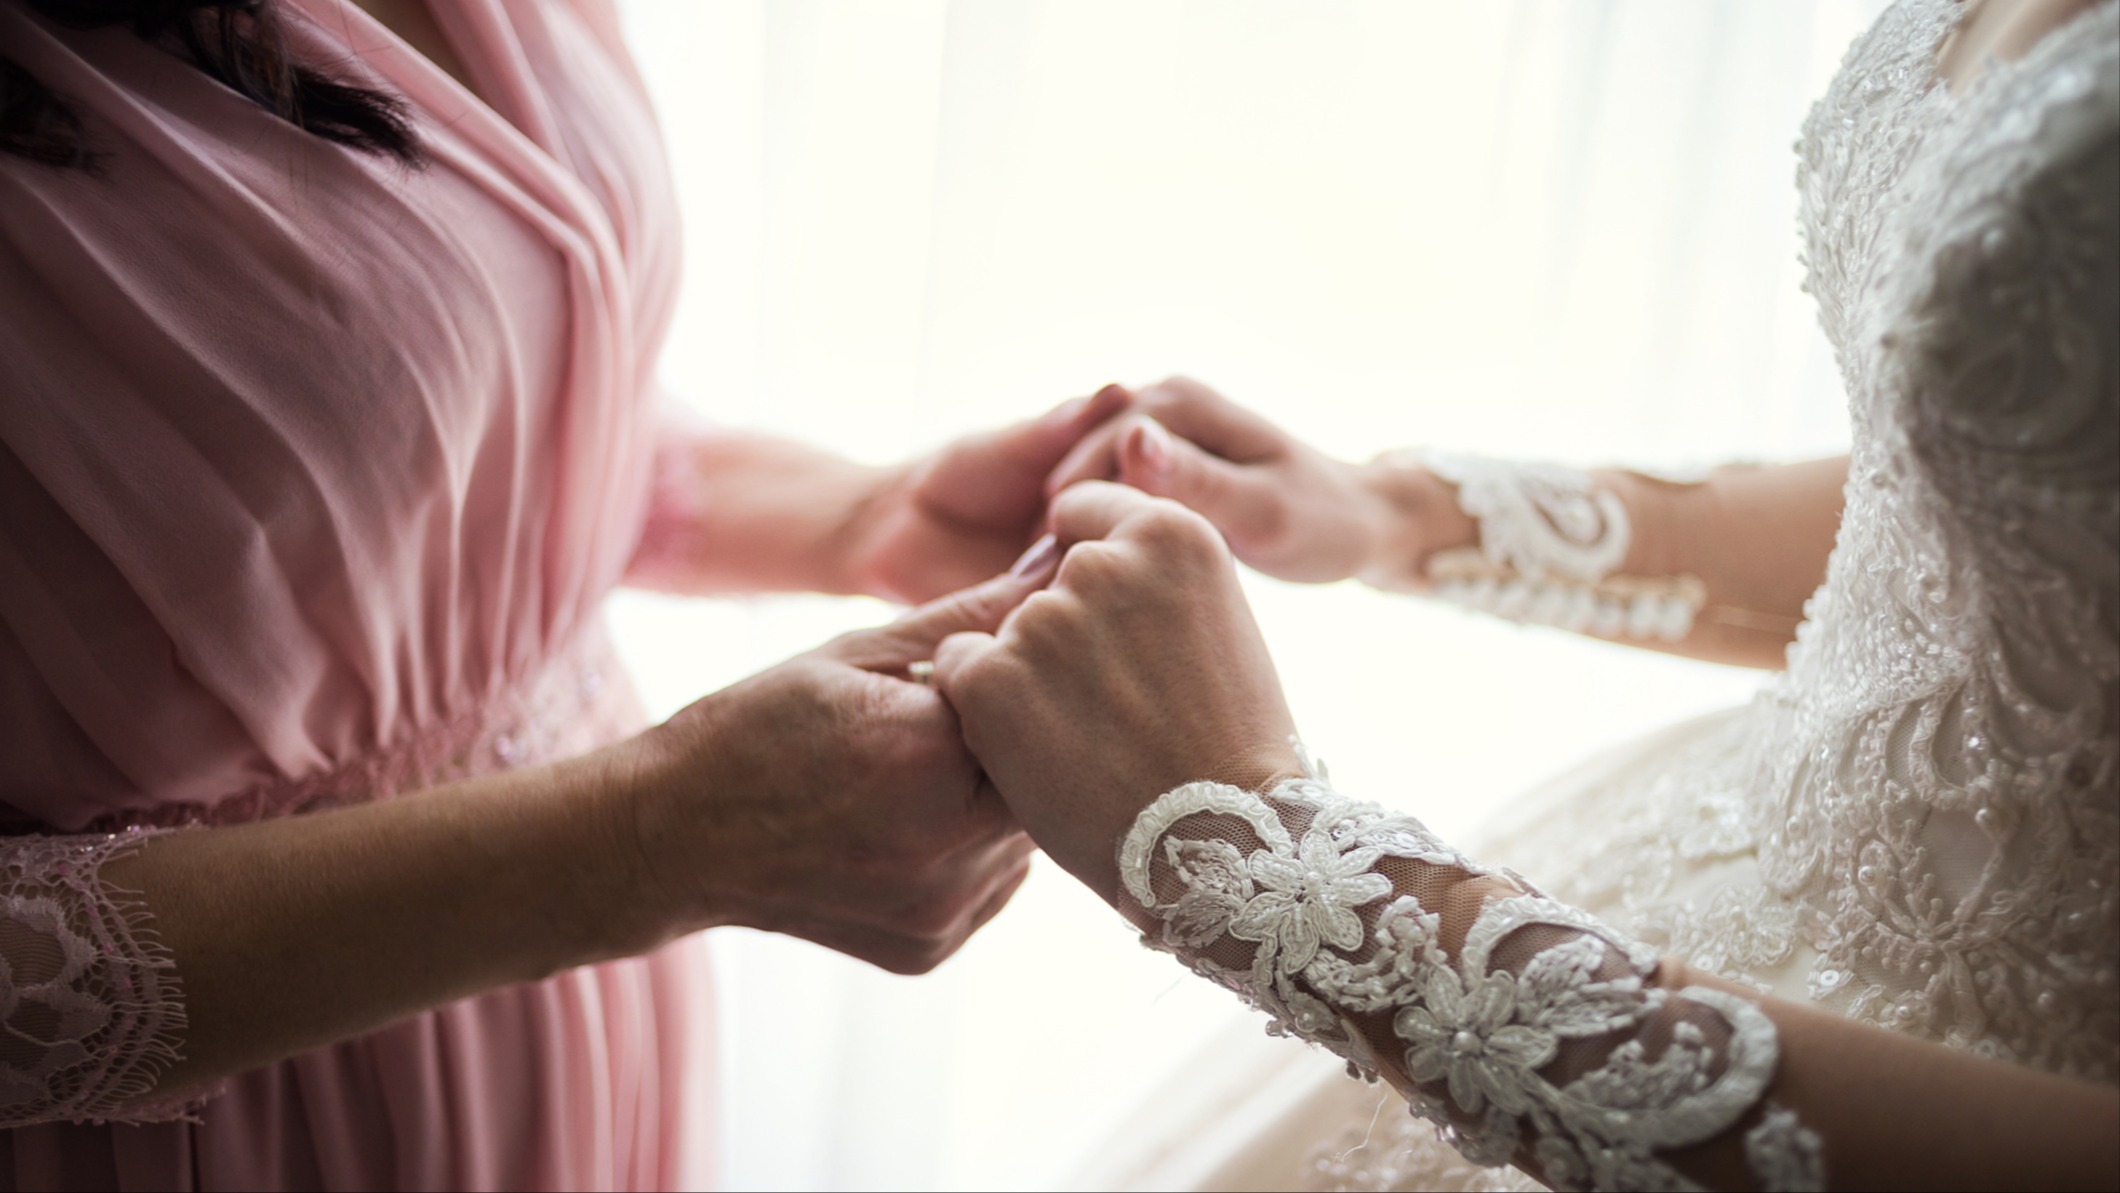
[1526, 1030]
[90, 1008]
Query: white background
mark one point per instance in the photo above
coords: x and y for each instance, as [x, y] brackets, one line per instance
[1524, 228]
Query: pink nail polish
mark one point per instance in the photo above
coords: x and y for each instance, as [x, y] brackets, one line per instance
[1043, 554]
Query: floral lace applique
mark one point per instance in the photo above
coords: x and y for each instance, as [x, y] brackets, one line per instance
[1520, 1026]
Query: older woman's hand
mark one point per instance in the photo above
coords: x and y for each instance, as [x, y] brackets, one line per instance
[1139, 669]
[1286, 508]
[832, 798]
[957, 516]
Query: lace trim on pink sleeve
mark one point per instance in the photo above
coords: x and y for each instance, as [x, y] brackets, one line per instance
[91, 1010]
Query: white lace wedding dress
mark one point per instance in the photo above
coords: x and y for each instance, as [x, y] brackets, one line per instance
[1918, 825]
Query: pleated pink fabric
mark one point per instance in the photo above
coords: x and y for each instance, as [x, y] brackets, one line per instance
[314, 474]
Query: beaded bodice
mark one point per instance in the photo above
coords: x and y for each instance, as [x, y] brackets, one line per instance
[1919, 823]
[1936, 776]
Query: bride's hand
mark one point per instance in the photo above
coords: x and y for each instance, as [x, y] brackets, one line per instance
[1286, 508]
[1139, 669]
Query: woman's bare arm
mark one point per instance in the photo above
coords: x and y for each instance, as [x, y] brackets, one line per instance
[292, 933]
[827, 798]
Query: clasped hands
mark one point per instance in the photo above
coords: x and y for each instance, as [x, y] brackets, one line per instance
[837, 799]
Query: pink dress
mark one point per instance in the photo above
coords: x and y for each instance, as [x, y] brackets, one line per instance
[314, 474]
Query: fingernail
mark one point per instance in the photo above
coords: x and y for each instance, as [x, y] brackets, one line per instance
[1152, 444]
[1043, 554]
[1112, 396]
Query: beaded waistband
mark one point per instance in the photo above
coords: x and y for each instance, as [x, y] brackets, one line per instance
[578, 701]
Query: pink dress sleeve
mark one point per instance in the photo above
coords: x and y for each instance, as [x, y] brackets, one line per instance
[672, 537]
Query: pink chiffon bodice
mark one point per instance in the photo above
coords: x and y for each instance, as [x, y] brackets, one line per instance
[314, 472]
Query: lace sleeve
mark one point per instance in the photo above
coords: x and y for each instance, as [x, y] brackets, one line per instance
[1551, 541]
[1526, 1030]
[90, 1010]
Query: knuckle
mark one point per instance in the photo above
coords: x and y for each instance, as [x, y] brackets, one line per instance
[979, 684]
[848, 645]
[1088, 568]
[1041, 617]
[970, 682]
[1171, 529]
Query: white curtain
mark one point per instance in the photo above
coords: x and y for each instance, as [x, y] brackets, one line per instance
[1561, 229]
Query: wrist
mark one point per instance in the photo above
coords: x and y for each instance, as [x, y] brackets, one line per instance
[845, 558]
[1258, 769]
[857, 560]
[1417, 516]
[639, 803]
[774, 516]
[1654, 547]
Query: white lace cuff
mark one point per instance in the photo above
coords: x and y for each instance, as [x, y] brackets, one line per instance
[1525, 1029]
[90, 1009]
[1551, 541]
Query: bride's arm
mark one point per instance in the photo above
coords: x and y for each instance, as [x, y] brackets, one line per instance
[1896, 1112]
[1741, 549]
[1756, 537]
[1132, 720]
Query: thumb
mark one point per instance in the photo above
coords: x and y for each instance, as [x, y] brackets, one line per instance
[978, 609]
[1241, 504]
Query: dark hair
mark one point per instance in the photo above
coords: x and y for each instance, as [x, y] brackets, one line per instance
[236, 42]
